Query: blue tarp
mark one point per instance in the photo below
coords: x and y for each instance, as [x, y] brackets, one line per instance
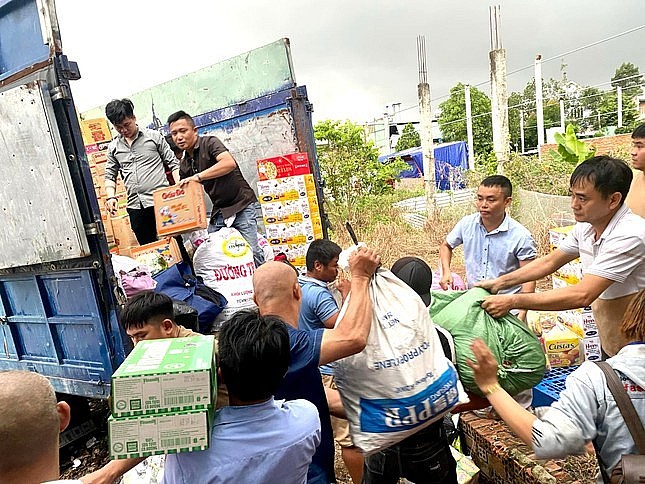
[450, 159]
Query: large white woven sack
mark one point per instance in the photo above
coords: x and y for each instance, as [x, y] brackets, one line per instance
[401, 382]
[225, 262]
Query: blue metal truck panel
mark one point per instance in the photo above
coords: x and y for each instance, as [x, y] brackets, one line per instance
[58, 312]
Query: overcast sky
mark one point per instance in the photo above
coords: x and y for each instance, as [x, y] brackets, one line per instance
[354, 56]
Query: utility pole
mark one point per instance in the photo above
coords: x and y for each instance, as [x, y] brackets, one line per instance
[386, 126]
[538, 103]
[469, 129]
[619, 95]
[522, 130]
[499, 95]
[425, 133]
[562, 120]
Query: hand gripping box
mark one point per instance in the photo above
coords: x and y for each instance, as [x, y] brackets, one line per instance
[170, 433]
[180, 209]
[165, 375]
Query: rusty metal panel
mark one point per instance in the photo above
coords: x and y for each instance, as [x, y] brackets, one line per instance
[39, 214]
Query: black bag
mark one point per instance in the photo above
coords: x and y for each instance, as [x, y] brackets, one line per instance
[630, 468]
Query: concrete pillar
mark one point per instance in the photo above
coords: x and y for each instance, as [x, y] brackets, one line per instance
[499, 104]
[469, 129]
[538, 102]
[425, 133]
[522, 130]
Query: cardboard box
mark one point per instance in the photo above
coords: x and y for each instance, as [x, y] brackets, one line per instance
[123, 234]
[95, 131]
[143, 436]
[165, 375]
[467, 471]
[562, 347]
[290, 188]
[283, 166]
[167, 248]
[179, 210]
[592, 349]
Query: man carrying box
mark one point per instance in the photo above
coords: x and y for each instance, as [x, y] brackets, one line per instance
[148, 315]
[207, 161]
[138, 155]
[256, 438]
[610, 241]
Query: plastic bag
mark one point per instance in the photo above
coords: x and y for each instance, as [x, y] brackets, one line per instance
[136, 281]
[401, 382]
[518, 352]
[225, 262]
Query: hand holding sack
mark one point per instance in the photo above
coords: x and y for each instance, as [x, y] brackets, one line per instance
[401, 382]
[518, 352]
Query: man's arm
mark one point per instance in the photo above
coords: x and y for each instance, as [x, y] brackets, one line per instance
[111, 471]
[485, 372]
[571, 297]
[350, 335]
[527, 287]
[445, 258]
[224, 165]
[111, 171]
[533, 271]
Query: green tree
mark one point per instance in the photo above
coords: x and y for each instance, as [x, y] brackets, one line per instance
[452, 120]
[349, 165]
[409, 138]
[628, 77]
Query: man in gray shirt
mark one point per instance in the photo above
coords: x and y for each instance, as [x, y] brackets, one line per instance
[139, 155]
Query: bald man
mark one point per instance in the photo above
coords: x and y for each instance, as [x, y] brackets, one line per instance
[277, 293]
[30, 424]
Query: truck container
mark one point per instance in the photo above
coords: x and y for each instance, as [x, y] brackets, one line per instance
[59, 300]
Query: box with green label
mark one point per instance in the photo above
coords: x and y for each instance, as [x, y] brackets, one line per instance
[165, 375]
[169, 433]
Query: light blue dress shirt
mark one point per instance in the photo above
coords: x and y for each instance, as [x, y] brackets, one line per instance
[491, 254]
[270, 442]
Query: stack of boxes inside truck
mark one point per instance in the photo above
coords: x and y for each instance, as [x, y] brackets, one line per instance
[163, 398]
[290, 212]
[175, 204]
[569, 337]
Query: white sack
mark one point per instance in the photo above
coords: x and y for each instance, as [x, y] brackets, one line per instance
[401, 382]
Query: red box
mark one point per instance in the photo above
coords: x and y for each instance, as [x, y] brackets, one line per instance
[283, 166]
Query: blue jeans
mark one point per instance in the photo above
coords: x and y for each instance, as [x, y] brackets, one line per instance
[423, 457]
[247, 225]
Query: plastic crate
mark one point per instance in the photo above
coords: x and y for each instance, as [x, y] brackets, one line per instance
[548, 390]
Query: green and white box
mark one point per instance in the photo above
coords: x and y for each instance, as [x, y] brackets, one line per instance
[169, 433]
[165, 375]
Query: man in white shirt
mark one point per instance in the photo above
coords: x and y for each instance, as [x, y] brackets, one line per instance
[610, 241]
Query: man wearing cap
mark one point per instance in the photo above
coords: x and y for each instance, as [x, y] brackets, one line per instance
[319, 310]
[494, 243]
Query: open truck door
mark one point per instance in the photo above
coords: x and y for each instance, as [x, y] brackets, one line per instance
[57, 289]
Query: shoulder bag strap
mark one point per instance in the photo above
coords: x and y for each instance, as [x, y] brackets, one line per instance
[625, 405]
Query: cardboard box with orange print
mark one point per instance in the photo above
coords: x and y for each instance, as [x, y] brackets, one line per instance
[180, 209]
[284, 166]
[166, 247]
[95, 131]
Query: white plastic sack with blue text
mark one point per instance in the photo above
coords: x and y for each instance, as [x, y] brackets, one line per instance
[401, 382]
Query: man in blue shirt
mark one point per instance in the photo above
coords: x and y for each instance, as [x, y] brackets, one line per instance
[320, 310]
[256, 439]
[494, 243]
[278, 293]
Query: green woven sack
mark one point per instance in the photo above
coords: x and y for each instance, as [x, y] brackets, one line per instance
[518, 352]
